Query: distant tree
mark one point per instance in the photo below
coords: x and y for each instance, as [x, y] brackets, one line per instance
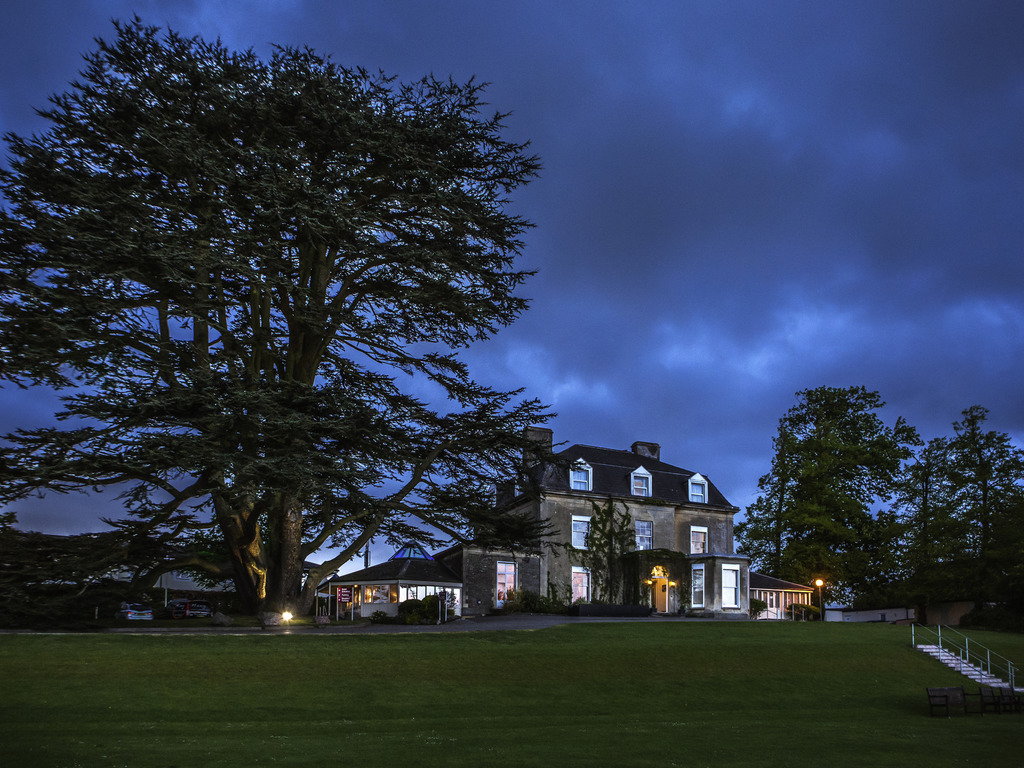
[247, 277]
[964, 521]
[51, 580]
[763, 533]
[930, 534]
[984, 475]
[835, 462]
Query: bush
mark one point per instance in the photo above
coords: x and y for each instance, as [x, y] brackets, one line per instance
[525, 601]
[409, 607]
[757, 607]
[379, 617]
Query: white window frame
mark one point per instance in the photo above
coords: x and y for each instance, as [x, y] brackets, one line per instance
[576, 542]
[648, 485]
[649, 537]
[581, 466]
[699, 529]
[580, 571]
[697, 482]
[499, 600]
[699, 568]
[726, 588]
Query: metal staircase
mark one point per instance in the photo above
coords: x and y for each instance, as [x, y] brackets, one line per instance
[972, 660]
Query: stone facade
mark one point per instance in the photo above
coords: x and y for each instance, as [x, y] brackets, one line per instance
[680, 514]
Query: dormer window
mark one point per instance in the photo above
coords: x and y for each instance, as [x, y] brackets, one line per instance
[640, 481]
[581, 477]
[698, 490]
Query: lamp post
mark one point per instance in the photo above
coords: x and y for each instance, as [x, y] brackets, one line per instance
[821, 603]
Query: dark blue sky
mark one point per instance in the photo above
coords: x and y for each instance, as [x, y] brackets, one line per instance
[739, 200]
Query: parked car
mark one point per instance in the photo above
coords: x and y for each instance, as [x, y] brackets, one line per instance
[135, 612]
[189, 609]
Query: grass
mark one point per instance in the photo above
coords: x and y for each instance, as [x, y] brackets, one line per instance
[636, 694]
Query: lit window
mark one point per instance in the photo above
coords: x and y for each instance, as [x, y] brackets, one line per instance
[698, 489]
[697, 586]
[380, 593]
[644, 534]
[698, 540]
[581, 477]
[580, 584]
[641, 482]
[580, 531]
[506, 583]
[730, 586]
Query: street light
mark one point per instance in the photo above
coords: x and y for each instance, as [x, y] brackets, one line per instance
[821, 603]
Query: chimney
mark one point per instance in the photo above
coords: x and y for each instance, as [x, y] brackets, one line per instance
[541, 437]
[647, 450]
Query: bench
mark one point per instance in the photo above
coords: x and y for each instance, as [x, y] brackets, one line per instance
[990, 700]
[949, 699]
[1009, 700]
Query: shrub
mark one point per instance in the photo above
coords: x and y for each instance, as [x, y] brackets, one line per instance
[757, 607]
[379, 617]
[526, 601]
[408, 607]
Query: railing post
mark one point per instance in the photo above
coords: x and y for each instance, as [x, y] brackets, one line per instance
[939, 627]
[913, 644]
[967, 647]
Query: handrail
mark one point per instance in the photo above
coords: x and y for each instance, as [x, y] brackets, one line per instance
[965, 652]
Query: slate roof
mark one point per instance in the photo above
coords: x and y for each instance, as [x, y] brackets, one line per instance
[425, 571]
[612, 469]
[760, 581]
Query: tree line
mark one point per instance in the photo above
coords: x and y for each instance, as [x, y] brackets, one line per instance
[884, 517]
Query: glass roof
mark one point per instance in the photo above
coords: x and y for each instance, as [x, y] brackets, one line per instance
[411, 551]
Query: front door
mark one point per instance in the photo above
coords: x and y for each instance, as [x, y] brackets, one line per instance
[660, 589]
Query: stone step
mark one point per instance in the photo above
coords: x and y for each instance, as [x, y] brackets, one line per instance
[971, 671]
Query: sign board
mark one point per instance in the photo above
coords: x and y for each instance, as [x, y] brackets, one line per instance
[344, 594]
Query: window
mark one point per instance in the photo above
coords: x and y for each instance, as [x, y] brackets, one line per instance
[644, 534]
[698, 540]
[380, 593]
[581, 477]
[506, 583]
[730, 586]
[580, 531]
[580, 584]
[698, 489]
[697, 586]
[640, 480]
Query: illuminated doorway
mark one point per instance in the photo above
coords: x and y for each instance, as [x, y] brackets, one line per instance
[659, 589]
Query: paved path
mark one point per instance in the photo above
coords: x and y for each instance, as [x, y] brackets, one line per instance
[518, 621]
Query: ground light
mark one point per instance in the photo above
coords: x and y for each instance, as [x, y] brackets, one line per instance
[287, 616]
[821, 605]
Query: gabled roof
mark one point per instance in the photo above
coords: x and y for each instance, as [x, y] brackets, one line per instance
[760, 581]
[612, 469]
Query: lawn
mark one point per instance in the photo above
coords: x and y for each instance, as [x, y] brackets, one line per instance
[630, 694]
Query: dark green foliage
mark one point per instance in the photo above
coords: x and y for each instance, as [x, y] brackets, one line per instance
[835, 460]
[528, 601]
[757, 607]
[237, 271]
[961, 510]
[49, 581]
[611, 536]
[636, 571]
[408, 607]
